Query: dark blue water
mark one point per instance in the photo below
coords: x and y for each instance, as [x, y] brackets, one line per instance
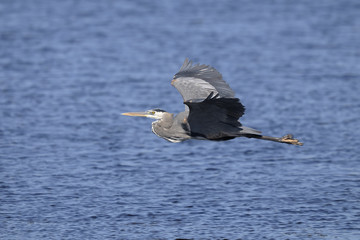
[71, 167]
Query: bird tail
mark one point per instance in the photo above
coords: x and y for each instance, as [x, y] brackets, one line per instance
[246, 131]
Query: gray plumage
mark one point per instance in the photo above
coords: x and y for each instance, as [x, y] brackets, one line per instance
[198, 81]
[211, 110]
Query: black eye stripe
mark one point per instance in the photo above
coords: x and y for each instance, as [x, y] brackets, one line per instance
[157, 110]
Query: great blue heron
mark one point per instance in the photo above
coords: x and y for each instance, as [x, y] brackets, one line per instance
[211, 110]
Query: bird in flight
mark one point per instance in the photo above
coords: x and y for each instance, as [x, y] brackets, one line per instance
[212, 111]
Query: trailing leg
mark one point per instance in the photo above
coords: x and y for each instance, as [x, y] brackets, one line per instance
[288, 139]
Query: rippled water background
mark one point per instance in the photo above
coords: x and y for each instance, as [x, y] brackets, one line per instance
[71, 167]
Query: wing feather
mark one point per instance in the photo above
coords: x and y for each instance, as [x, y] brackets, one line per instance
[215, 118]
[198, 81]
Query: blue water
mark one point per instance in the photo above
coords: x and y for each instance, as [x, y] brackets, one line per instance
[72, 167]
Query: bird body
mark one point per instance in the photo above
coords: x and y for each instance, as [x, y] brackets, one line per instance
[212, 111]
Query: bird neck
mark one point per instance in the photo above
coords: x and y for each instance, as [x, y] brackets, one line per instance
[166, 121]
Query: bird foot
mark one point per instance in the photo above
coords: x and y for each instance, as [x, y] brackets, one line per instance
[289, 139]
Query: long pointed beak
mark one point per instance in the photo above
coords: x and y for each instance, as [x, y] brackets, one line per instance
[136, 114]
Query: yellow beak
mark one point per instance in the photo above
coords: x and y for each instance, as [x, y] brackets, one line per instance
[136, 114]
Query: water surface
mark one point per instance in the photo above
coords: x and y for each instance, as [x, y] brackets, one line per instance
[71, 167]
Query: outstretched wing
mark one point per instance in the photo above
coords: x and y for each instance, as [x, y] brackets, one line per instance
[215, 118]
[198, 81]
